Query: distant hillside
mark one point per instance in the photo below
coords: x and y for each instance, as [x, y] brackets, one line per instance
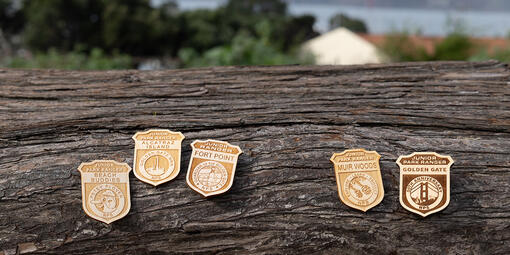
[461, 5]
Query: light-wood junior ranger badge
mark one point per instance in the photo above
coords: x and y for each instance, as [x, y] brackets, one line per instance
[157, 155]
[358, 177]
[105, 189]
[424, 182]
[212, 166]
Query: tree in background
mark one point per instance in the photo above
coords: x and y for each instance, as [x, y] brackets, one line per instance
[11, 18]
[71, 28]
[245, 49]
[63, 24]
[205, 29]
[137, 28]
[399, 47]
[353, 24]
[131, 26]
[231, 31]
[457, 45]
[293, 31]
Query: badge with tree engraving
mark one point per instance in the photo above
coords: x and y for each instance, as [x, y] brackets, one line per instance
[358, 178]
[105, 189]
[424, 182]
[212, 166]
[157, 155]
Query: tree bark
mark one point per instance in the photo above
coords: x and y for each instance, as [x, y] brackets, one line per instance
[288, 120]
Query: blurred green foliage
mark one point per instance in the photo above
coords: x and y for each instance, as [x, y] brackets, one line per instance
[74, 60]
[501, 54]
[52, 29]
[110, 34]
[353, 24]
[130, 26]
[205, 29]
[245, 49]
[400, 47]
[457, 45]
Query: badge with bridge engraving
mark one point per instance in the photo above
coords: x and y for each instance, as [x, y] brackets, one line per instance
[358, 177]
[105, 189]
[212, 166]
[157, 156]
[424, 182]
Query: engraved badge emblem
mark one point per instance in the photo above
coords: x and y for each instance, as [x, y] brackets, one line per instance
[157, 156]
[105, 189]
[212, 166]
[358, 177]
[424, 182]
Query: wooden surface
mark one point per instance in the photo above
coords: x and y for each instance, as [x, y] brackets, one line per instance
[288, 121]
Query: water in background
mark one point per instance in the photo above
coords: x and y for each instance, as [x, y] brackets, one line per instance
[383, 20]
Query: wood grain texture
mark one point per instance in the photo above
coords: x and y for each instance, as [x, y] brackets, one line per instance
[288, 120]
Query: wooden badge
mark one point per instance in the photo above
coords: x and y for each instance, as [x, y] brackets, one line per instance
[424, 182]
[105, 189]
[157, 156]
[212, 166]
[358, 178]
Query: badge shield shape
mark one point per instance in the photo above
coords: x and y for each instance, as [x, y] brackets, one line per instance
[105, 189]
[157, 156]
[358, 178]
[212, 166]
[424, 182]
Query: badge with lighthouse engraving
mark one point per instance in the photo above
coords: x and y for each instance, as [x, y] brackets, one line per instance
[358, 177]
[424, 182]
[157, 155]
[105, 189]
[212, 166]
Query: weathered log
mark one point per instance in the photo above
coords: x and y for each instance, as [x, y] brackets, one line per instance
[288, 120]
